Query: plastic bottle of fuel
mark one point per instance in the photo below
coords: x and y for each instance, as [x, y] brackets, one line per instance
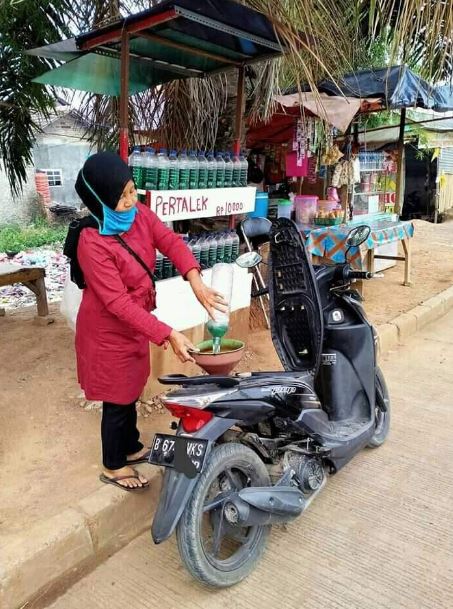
[183, 170]
[167, 268]
[196, 249]
[228, 180]
[212, 171]
[244, 170]
[163, 170]
[235, 245]
[202, 171]
[212, 259]
[228, 248]
[204, 251]
[220, 170]
[222, 282]
[220, 247]
[237, 166]
[136, 165]
[151, 170]
[173, 183]
[159, 265]
[193, 170]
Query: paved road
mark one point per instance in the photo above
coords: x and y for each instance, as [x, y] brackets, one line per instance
[378, 537]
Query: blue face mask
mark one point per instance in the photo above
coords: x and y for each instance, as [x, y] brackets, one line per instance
[115, 222]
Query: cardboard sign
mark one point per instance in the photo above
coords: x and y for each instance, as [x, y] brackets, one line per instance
[172, 205]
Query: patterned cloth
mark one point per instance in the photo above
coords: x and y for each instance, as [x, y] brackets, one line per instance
[330, 241]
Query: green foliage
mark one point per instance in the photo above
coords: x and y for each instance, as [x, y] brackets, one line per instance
[24, 25]
[15, 238]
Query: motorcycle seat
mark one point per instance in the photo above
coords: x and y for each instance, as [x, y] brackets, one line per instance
[182, 379]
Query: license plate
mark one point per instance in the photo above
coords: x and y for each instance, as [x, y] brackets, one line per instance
[186, 455]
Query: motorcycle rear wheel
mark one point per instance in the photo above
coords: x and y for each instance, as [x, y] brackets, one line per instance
[227, 555]
[382, 417]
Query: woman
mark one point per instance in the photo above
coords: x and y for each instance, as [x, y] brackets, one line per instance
[114, 254]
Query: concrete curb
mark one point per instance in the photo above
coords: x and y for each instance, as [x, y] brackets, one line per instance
[398, 330]
[56, 552]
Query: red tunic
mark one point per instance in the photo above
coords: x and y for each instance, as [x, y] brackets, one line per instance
[114, 325]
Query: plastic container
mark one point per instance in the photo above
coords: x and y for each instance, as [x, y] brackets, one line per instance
[220, 173]
[237, 167]
[193, 170]
[184, 170]
[285, 209]
[244, 170]
[305, 207]
[261, 206]
[228, 179]
[151, 169]
[136, 163]
[202, 171]
[332, 194]
[163, 170]
[222, 282]
[212, 171]
[158, 270]
[235, 245]
[173, 183]
[326, 206]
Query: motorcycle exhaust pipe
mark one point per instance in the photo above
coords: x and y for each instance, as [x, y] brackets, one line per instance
[258, 506]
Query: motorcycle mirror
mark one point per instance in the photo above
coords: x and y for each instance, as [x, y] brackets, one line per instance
[358, 235]
[249, 260]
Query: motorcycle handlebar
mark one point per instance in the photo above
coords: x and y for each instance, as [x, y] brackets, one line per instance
[350, 274]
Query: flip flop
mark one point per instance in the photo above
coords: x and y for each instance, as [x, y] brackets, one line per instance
[116, 482]
[143, 459]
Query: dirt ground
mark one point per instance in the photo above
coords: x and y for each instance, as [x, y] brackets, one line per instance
[49, 442]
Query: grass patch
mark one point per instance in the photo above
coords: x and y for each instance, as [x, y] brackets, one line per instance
[14, 238]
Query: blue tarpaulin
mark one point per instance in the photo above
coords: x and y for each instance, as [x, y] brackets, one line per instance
[397, 86]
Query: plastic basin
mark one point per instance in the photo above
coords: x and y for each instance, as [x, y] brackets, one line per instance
[219, 363]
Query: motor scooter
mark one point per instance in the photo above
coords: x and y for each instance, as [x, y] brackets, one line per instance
[254, 449]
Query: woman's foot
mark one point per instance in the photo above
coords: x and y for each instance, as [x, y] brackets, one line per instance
[128, 477]
[140, 456]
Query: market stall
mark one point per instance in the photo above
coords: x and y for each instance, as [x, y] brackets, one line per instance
[309, 152]
[176, 40]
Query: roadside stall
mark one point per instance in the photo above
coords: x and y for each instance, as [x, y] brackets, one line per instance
[176, 40]
[312, 145]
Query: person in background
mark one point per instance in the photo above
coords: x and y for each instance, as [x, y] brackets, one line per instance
[112, 254]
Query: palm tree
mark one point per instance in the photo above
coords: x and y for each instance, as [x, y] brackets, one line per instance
[337, 36]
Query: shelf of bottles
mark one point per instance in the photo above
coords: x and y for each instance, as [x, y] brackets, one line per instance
[208, 248]
[163, 171]
[372, 196]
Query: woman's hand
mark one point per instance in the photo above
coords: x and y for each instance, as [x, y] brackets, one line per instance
[181, 346]
[206, 296]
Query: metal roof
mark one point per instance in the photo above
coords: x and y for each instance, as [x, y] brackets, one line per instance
[174, 40]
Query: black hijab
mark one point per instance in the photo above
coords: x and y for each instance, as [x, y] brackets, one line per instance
[106, 174]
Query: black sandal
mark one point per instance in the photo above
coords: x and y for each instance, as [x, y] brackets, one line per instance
[116, 482]
[143, 459]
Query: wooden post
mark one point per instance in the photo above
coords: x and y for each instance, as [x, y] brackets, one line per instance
[124, 96]
[239, 110]
[240, 96]
[401, 165]
[407, 247]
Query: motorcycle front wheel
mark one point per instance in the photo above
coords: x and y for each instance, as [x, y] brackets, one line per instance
[216, 553]
[381, 417]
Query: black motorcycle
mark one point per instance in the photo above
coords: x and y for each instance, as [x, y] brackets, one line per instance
[255, 449]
